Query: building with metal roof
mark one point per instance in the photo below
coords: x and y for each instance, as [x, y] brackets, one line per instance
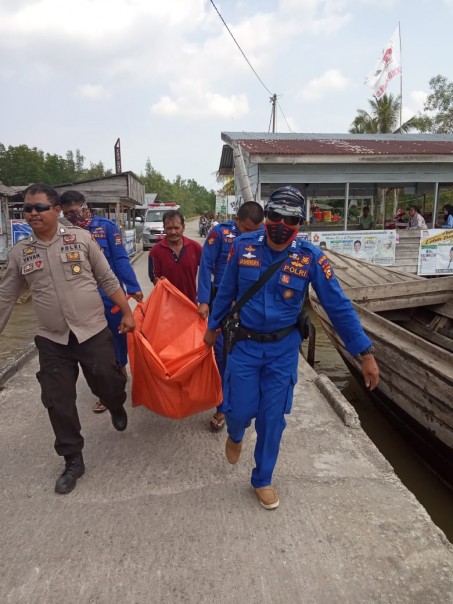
[342, 170]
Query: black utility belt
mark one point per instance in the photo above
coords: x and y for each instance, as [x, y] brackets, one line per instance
[245, 334]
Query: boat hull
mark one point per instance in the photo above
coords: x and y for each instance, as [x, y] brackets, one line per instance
[415, 376]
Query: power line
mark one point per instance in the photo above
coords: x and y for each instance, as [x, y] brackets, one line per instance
[284, 117]
[242, 52]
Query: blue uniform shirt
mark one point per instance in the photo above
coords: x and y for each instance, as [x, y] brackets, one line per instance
[214, 257]
[108, 236]
[278, 302]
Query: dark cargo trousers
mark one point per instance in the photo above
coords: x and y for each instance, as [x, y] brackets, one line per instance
[58, 373]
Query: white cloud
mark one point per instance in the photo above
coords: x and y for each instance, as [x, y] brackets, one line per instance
[331, 80]
[193, 100]
[92, 91]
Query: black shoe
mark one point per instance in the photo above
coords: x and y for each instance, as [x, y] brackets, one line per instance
[119, 419]
[74, 468]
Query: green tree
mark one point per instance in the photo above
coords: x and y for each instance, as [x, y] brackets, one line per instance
[192, 197]
[383, 117]
[22, 166]
[439, 104]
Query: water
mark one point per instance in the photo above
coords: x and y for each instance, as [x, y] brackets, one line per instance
[19, 332]
[429, 490]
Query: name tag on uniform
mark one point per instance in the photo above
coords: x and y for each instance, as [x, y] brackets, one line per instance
[249, 255]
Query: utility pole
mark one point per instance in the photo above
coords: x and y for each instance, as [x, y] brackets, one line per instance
[274, 111]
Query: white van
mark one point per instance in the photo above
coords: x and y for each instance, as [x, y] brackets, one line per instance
[153, 226]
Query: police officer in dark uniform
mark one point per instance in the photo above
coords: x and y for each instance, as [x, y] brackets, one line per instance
[108, 236]
[214, 258]
[261, 370]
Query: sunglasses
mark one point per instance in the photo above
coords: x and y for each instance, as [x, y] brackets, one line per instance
[39, 207]
[288, 220]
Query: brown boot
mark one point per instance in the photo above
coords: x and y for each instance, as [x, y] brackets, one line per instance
[268, 497]
[232, 451]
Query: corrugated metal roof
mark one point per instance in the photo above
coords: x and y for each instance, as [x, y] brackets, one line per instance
[11, 191]
[341, 144]
[226, 161]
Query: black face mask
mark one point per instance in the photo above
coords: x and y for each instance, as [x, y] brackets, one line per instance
[279, 232]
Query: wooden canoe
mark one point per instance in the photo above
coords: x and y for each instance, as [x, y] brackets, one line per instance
[410, 321]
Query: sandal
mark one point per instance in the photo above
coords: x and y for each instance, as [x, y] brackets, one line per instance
[217, 421]
[99, 407]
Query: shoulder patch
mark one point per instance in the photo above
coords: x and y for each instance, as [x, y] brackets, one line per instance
[327, 269]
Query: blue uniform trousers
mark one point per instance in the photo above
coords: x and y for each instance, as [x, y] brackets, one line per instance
[119, 339]
[258, 383]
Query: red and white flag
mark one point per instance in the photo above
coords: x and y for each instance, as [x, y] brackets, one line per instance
[388, 66]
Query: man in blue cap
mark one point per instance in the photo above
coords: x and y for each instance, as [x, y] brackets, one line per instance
[261, 371]
[212, 267]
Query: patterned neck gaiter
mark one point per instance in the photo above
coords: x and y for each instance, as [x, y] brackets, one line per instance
[80, 217]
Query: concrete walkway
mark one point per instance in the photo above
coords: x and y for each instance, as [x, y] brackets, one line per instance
[161, 517]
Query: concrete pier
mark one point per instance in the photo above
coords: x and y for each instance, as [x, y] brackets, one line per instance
[161, 517]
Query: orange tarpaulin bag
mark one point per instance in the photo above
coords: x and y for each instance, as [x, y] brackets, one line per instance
[174, 374]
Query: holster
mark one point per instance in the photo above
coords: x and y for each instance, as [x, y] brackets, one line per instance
[230, 326]
[303, 325]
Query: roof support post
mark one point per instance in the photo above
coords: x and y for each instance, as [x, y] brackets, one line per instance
[346, 206]
[242, 176]
[435, 205]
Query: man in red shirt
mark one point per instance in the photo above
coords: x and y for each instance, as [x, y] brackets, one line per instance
[176, 257]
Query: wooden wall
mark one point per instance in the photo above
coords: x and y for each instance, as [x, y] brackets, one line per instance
[122, 188]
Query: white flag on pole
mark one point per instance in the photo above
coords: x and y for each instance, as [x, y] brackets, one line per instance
[388, 66]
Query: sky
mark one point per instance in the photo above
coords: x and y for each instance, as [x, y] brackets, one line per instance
[166, 77]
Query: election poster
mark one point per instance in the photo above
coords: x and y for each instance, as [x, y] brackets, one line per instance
[435, 255]
[377, 247]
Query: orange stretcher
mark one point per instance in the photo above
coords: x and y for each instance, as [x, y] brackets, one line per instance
[174, 374]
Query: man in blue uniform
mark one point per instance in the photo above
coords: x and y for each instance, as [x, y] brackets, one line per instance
[216, 249]
[108, 236]
[262, 367]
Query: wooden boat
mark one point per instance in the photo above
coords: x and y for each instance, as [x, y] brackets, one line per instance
[410, 321]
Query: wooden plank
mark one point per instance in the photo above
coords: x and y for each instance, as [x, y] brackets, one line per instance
[404, 302]
[431, 336]
[407, 293]
[446, 310]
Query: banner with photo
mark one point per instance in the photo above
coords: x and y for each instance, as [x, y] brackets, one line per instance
[226, 205]
[435, 256]
[377, 247]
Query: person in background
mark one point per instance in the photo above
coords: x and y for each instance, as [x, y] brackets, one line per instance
[448, 216]
[212, 267]
[176, 257]
[416, 220]
[366, 220]
[63, 267]
[108, 236]
[261, 371]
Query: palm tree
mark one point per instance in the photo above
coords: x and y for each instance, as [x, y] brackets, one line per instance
[383, 118]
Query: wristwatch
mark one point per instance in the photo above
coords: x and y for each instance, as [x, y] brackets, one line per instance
[370, 350]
